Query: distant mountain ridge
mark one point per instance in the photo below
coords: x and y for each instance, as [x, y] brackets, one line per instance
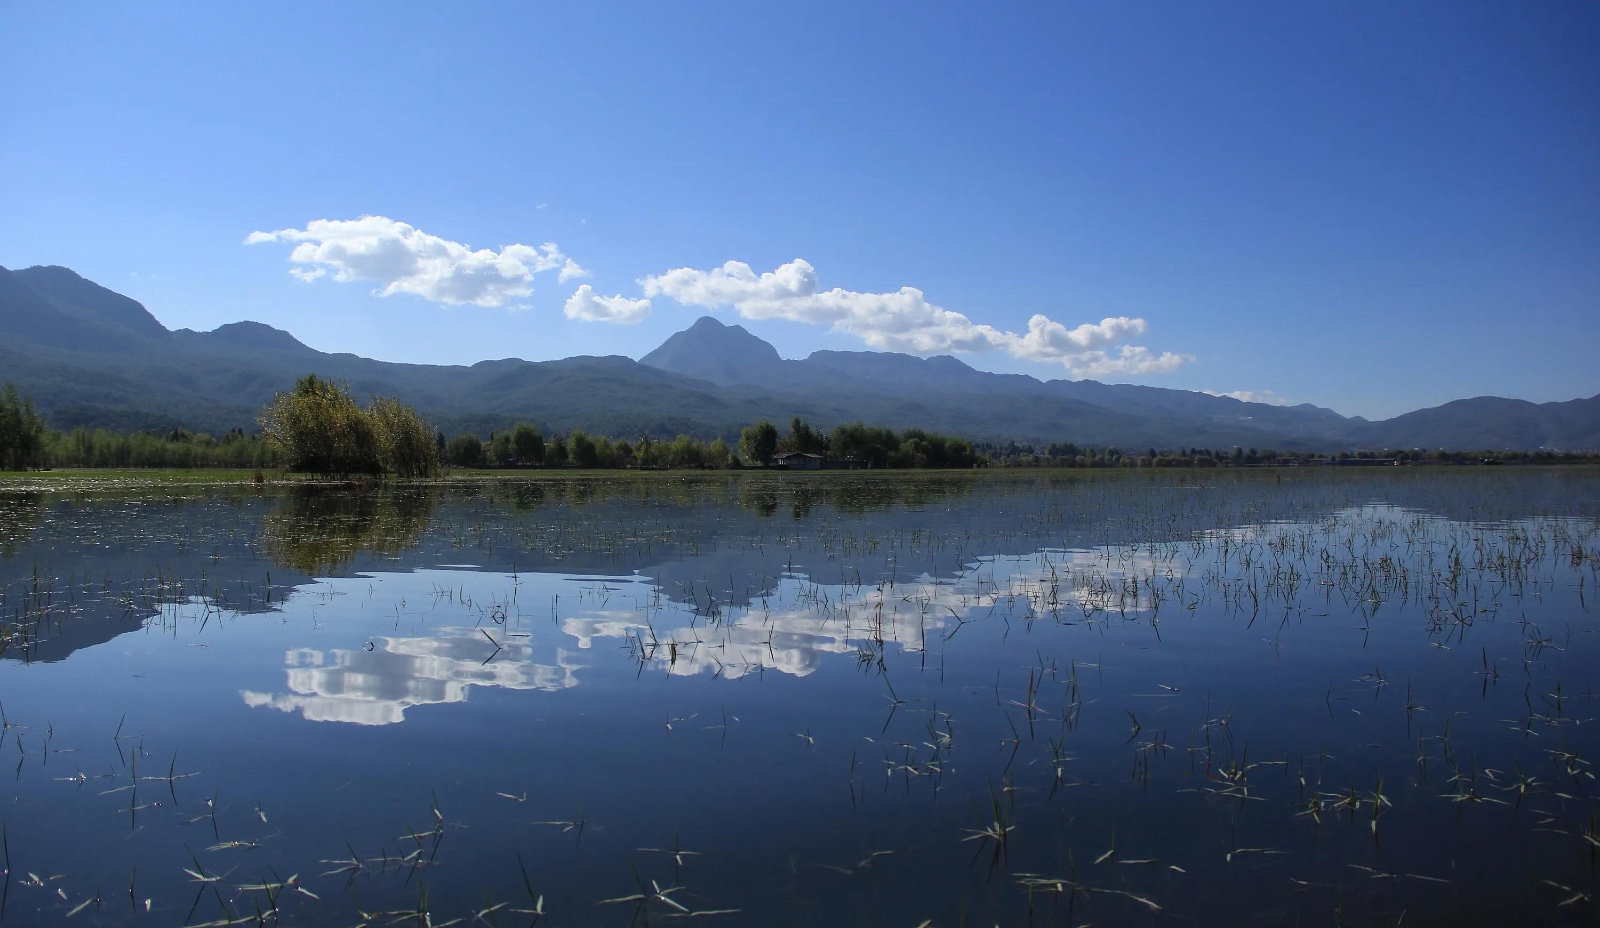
[93, 357]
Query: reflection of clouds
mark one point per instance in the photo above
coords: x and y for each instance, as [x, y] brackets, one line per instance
[789, 638]
[601, 623]
[787, 641]
[376, 687]
[789, 631]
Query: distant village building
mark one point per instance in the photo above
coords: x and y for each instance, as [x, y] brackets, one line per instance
[798, 460]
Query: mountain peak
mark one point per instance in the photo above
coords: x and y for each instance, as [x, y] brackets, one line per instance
[87, 300]
[712, 350]
[256, 335]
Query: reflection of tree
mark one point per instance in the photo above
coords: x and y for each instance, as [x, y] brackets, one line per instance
[761, 494]
[319, 529]
[19, 514]
[759, 497]
[854, 494]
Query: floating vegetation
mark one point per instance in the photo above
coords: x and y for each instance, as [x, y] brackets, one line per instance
[843, 699]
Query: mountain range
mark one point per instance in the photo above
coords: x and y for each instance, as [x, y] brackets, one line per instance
[89, 356]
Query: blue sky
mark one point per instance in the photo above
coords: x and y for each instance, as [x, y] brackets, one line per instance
[1368, 206]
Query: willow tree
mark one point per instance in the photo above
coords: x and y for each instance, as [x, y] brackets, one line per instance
[405, 440]
[322, 430]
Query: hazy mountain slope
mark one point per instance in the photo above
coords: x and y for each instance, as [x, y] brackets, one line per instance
[91, 302]
[1491, 422]
[28, 316]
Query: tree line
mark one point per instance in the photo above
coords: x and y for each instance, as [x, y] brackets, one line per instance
[1068, 454]
[318, 427]
[175, 449]
[758, 446]
[321, 429]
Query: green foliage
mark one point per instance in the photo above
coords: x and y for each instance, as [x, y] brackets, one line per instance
[21, 432]
[758, 443]
[499, 450]
[581, 450]
[881, 447]
[321, 430]
[465, 451]
[684, 451]
[405, 440]
[555, 452]
[527, 445]
[802, 437]
[176, 449]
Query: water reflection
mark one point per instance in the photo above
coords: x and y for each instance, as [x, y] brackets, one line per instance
[377, 686]
[318, 530]
[790, 630]
[19, 515]
[926, 672]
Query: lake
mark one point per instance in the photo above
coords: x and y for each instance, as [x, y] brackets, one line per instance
[1204, 697]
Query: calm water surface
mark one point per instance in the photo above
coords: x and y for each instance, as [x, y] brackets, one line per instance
[1217, 699]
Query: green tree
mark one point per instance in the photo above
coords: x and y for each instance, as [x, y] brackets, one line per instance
[21, 432]
[465, 451]
[501, 453]
[872, 446]
[581, 450]
[527, 445]
[758, 443]
[684, 451]
[802, 437]
[321, 429]
[405, 440]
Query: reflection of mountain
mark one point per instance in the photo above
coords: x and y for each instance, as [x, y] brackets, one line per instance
[319, 529]
[88, 568]
[376, 687]
[106, 563]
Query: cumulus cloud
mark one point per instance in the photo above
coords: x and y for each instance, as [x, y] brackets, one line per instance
[905, 320]
[404, 259]
[1252, 396]
[589, 306]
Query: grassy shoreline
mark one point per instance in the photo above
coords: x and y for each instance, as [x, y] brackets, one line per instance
[91, 479]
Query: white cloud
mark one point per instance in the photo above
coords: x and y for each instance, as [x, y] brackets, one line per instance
[589, 306]
[906, 321]
[1252, 396]
[404, 259]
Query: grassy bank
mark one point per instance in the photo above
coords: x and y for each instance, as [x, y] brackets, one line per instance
[77, 480]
